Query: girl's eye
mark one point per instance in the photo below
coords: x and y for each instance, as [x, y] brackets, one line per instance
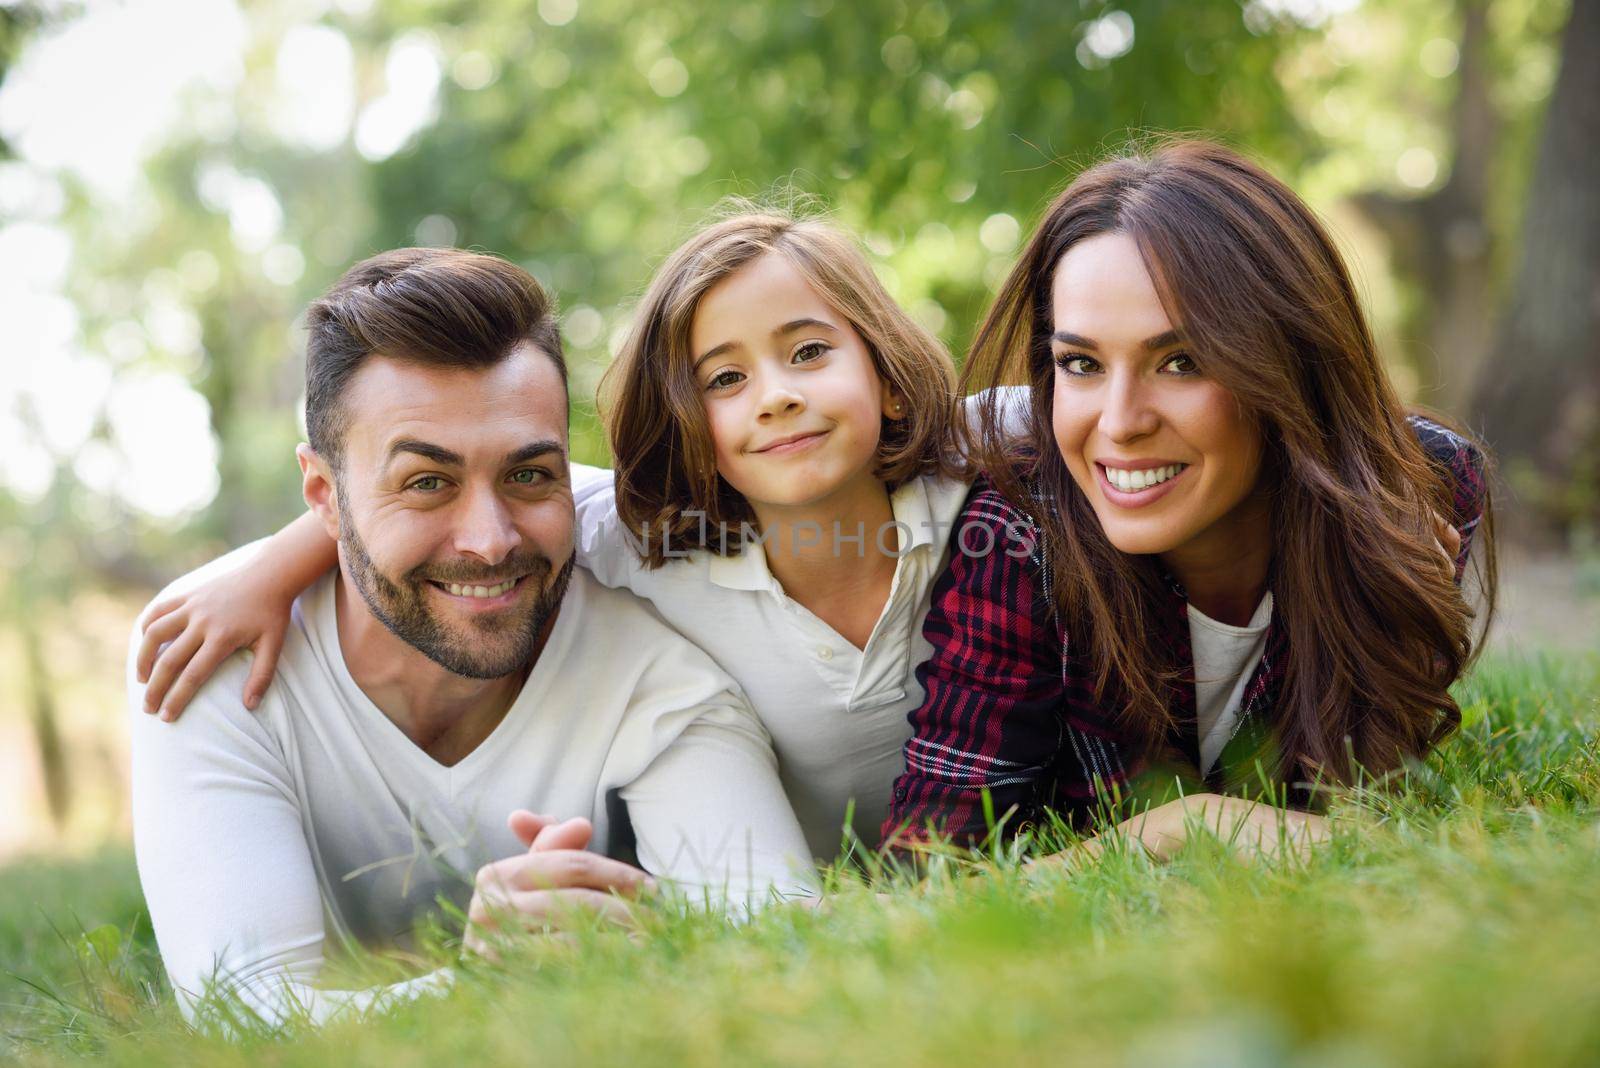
[724, 379]
[1181, 363]
[529, 476]
[427, 483]
[811, 350]
[1077, 364]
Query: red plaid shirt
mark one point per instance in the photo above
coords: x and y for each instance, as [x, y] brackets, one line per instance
[1010, 706]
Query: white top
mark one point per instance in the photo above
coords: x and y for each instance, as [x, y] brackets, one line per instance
[261, 836]
[837, 714]
[1224, 659]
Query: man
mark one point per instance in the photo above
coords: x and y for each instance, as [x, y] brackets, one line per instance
[455, 669]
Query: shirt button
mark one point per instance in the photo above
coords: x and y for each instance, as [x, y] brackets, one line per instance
[824, 653]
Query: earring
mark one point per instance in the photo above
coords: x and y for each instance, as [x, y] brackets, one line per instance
[896, 408]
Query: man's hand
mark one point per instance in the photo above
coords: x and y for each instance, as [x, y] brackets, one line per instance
[556, 884]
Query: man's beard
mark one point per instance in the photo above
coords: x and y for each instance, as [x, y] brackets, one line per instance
[488, 648]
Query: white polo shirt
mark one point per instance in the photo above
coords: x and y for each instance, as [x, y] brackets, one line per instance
[837, 714]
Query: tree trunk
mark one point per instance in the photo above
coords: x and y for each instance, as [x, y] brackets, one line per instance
[1539, 402]
[1441, 242]
[47, 735]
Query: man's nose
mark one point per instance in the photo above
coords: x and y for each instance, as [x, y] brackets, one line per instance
[485, 529]
[1127, 414]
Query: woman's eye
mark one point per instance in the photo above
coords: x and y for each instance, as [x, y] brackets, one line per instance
[1181, 363]
[1076, 364]
[811, 350]
[724, 380]
[529, 476]
[427, 483]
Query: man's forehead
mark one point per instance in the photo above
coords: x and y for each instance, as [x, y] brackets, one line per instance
[518, 399]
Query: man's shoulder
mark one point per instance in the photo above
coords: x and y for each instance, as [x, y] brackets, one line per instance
[228, 562]
[616, 611]
[222, 694]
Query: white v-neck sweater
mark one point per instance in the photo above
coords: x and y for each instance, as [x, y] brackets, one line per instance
[263, 836]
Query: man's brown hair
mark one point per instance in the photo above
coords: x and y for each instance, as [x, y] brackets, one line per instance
[654, 410]
[436, 306]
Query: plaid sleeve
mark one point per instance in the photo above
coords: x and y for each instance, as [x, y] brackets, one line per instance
[990, 718]
[1467, 468]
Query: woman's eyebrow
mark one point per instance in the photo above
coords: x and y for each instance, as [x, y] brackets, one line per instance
[1159, 341]
[1067, 337]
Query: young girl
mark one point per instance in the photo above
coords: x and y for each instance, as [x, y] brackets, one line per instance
[1239, 558]
[785, 482]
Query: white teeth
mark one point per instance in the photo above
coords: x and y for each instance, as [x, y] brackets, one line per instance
[1134, 481]
[479, 591]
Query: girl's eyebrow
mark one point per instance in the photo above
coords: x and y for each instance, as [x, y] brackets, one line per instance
[787, 328]
[800, 324]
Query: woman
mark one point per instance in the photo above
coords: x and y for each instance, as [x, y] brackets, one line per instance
[1220, 562]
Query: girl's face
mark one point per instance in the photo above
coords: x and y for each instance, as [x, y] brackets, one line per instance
[1163, 453]
[794, 402]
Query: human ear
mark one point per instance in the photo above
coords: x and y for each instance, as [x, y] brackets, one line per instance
[318, 488]
[894, 405]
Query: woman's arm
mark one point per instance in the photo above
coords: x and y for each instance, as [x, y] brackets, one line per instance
[188, 634]
[1249, 828]
[990, 722]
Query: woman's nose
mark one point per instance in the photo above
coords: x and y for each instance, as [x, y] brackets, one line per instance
[1127, 414]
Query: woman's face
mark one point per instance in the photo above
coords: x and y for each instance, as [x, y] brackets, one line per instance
[1163, 453]
[794, 402]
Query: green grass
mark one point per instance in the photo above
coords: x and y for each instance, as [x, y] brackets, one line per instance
[1453, 920]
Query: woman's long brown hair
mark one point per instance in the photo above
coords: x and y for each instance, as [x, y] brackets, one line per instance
[1376, 630]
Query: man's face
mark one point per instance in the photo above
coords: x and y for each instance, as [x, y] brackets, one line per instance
[455, 507]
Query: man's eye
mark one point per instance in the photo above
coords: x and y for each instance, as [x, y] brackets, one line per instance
[1075, 364]
[724, 379]
[811, 350]
[530, 476]
[427, 483]
[1181, 363]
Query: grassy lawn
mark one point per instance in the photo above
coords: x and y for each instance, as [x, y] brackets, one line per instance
[1454, 920]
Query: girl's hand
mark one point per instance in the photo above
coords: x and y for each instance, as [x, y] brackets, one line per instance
[187, 636]
[247, 608]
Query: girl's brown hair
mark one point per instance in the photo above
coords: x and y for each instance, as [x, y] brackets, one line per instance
[668, 491]
[1376, 630]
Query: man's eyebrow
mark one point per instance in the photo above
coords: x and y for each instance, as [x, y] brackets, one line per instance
[787, 328]
[425, 449]
[533, 450]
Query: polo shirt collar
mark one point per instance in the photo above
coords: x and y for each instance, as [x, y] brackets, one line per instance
[747, 570]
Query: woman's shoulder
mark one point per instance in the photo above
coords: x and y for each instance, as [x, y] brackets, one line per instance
[1444, 444]
[1457, 455]
[1008, 495]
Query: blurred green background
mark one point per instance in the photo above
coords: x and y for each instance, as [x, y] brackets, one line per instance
[177, 179]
